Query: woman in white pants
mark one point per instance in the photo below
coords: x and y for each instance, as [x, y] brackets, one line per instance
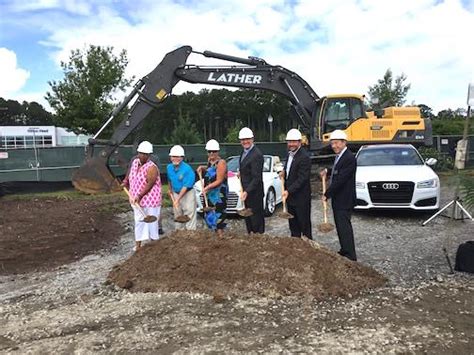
[145, 191]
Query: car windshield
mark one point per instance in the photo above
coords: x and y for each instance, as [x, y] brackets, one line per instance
[388, 156]
[233, 164]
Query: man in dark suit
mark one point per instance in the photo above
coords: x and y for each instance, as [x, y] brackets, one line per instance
[251, 168]
[297, 192]
[342, 192]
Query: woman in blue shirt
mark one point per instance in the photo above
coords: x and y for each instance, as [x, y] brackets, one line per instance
[181, 179]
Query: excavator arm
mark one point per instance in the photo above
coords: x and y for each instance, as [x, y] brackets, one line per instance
[149, 92]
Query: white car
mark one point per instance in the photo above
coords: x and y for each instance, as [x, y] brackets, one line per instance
[271, 185]
[395, 176]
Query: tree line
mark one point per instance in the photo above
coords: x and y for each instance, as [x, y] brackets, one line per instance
[14, 113]
[84, 99]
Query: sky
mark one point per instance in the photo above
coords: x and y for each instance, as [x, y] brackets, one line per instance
[337, 46]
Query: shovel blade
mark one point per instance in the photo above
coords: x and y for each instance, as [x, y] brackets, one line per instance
[285, 215]
[246, 212]
[325, 227]
[182, 219]
[95, 177]
[149, 219]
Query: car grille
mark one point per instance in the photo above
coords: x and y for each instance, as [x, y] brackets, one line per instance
[232, 199]
[391, 191]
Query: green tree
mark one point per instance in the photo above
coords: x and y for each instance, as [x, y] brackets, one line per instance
[184, 131]
[219, 113]
[387, 92]
[233, 133]
[12, 113]
[451, 122]
[426, 111]
[84, 98]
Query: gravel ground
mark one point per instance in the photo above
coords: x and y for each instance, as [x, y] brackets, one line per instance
[423, 309]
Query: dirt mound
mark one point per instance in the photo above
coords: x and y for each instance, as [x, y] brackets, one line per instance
[242, 266]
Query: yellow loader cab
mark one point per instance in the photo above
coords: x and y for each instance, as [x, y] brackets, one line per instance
[349, 112]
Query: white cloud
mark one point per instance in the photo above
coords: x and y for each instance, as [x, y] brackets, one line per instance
[336, 46]
[13, 77]
[78, 7]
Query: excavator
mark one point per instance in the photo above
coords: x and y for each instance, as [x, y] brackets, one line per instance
[317, 116]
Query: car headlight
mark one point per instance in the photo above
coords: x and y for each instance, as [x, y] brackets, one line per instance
[427, 184]
[360, 185]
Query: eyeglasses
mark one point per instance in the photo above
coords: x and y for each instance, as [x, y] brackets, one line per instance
[212, 151]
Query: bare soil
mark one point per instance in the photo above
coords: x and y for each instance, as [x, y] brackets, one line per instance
[242, 265]
[42, 233]
[53, 305]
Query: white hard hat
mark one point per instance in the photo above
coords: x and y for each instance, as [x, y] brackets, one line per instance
[212, 145]
[293, 135]
[338, 134]
[145, 147]
[177, 151]
[245, 133]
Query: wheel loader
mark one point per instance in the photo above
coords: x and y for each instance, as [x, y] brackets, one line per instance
[318, 116]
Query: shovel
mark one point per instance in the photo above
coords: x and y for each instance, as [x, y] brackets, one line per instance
[325, 227]
[284, 214]
[146, 218]
[182, 218]
[206, 207]
[244, 212]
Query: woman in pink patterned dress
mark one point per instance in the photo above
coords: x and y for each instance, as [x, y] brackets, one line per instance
[145, 189]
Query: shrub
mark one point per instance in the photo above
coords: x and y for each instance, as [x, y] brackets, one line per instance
[444, 163]
[466, 188]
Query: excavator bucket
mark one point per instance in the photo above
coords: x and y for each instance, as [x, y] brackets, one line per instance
[95, 177]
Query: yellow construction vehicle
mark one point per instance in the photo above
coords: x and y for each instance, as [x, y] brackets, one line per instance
[349, 112]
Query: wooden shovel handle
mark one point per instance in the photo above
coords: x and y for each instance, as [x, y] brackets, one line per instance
[136, 204]
[206, 203]
[172, 200]
[241, 190]
[325, 203]
[283, 200]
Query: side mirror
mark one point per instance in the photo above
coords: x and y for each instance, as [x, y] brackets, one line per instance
[431, 161]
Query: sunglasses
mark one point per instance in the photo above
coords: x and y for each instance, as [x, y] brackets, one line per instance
[212, 151]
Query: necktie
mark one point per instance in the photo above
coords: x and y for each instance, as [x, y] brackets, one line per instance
[334, 167]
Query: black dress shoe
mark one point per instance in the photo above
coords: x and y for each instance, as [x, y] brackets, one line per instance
[341, 253]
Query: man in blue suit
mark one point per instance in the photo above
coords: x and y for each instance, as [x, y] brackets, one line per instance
[342, 192]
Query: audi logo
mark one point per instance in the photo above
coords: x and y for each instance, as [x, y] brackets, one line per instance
[390, 186]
